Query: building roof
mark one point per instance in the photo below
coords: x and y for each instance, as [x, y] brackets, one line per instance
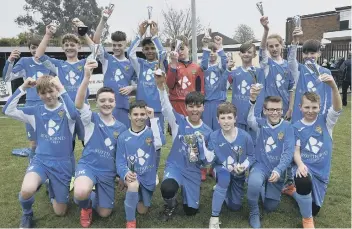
[225, 39]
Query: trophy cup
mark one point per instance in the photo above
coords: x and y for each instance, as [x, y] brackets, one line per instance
[191, 142]
[150, 10]
[178, 45]
[207, 34]
[131, 161]
[229, 56]
[81, 28]
[54, 24]
[297, 21]
[253, 73]
[160, 68]
[260, 8]
[313, 67]
[108, 11]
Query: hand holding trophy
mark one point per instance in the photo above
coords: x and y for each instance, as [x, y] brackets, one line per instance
[54, 24]
[80, 27]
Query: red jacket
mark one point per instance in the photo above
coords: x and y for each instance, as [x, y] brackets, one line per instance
[186, 78]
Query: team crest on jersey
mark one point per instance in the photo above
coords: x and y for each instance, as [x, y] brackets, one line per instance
[148, 141]
[80, 68]
[116, 134]
[61, 113]
[194, 71]
[127, 68]
[319, 130]
[280, 135]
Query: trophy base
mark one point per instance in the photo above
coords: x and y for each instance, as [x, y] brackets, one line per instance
[82, 30]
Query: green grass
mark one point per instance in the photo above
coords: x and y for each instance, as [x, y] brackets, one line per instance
[336, 211]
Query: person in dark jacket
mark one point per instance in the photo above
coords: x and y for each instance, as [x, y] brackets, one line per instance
[345, 69]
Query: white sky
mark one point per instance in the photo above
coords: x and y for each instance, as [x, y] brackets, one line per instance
[222, 15]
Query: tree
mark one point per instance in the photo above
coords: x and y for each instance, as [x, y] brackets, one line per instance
[243, 34]
[61, 10]
[178, 23]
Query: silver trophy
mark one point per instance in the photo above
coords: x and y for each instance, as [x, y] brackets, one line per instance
[229, 56]
[160, 68]
[150, 10]
[131, 162]
[54, 24]
[178, 45]
[108, 11]
[310, 63]
[253, 73]
[207, 34]
[260, 8]
[297, 21]
[192, 149]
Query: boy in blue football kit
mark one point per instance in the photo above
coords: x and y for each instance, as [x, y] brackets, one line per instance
[241, 80]
[278, 78]
[117, 69]
[186, 156]
[313, 135]
[144, 68]
[233, 149]
[215, 79]
[24, 68]
[136, 161]
[53, 124]
[97, 164]
[273, 152]
[307, 75]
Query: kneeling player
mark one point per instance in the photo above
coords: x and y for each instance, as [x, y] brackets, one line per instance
[136, 160]
[313, 152]
[233, 149]
[97, 164]
[273, 152]
[53, 124]
[186, 156]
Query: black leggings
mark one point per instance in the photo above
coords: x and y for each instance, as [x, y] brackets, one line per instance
[169, 188]
[304, 187]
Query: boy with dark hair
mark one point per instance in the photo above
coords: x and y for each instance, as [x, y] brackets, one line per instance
[278, 78]
[144, 68]
[136, 159]
[313, 153]
[24, 68]
[233, 149]
[96, 166]
[273, 152]
[183, 164]
[241, 79]
[117, 70]
[307, 75]
[53, 125]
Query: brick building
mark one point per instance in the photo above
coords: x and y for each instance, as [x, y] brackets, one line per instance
[331, 26]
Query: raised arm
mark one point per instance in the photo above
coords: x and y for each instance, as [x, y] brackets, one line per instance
[172, 76]
[206, 53]
[11, 72]
[292, 55]
[44, 43]
[105, 14]
[263, 56]
[82, 90]
[69, 106]
[166, 107]
[26, 114]
[159, 138]
[221, 53]
[251, 119]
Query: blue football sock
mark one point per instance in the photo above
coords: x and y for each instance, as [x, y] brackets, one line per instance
[131, 202]
[304, 203]
[93, 198]
[218, 199]
[26, 205]
[84, 203]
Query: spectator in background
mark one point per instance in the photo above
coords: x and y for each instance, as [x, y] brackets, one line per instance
[325, 63]
[345, 70]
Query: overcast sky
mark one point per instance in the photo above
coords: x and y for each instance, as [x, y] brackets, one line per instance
[222, 15]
